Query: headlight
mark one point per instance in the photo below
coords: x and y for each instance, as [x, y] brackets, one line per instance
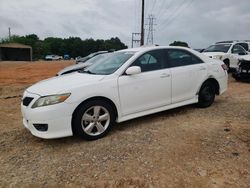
[50, 100]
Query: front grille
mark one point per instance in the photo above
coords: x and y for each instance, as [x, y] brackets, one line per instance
[27, 101]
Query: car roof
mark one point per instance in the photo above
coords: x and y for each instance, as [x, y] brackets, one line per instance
[148, 48]
[233, 41]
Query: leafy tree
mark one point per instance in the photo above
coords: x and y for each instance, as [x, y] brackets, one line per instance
[179, 43]
[73, 46]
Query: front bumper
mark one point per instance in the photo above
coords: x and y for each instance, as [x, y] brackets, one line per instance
[57, 117]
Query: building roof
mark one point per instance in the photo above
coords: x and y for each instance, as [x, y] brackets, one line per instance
[14, 45]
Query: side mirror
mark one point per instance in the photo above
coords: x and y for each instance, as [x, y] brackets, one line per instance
[133, 70]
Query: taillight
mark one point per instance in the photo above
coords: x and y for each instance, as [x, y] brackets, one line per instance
[225, 67]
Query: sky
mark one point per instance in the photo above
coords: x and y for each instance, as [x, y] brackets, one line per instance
[200, 23]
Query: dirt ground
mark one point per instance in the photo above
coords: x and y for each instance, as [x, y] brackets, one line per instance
[184, 147]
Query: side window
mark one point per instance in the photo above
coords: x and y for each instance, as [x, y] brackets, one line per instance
[177, 58]
[238, 49]
[150, 61]
[244, 45]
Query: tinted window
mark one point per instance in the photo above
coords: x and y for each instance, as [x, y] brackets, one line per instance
[238, 49]
[150, 61]
[244, 45]
[218, 48]
[178, 58]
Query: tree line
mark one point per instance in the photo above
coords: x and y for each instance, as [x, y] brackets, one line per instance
[72, 46]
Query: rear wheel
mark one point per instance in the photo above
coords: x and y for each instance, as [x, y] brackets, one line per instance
[206, 95]
[93, 120]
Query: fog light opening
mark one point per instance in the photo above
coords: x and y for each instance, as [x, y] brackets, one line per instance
[41, 127]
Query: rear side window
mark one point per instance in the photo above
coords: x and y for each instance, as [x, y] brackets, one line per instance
[150, 61]
[177, 58]
[238, 49]
[244, 45]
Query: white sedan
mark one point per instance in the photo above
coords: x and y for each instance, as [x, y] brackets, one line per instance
[128, 84]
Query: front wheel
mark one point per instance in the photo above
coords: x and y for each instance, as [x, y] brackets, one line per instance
[93, 120]
[206, 95]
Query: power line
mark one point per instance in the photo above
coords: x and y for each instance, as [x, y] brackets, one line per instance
[153, 6]
[162, 5]
[173, 13]
[178, 12]
[161, 13]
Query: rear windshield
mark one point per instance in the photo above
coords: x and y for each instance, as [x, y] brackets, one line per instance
[218, 48]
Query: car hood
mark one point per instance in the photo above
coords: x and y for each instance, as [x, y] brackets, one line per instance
[213, 53]
[245, 57]
[73, 67]
[64, 83]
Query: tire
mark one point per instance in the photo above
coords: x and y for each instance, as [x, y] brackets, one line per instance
[93, 120]
[206, 95]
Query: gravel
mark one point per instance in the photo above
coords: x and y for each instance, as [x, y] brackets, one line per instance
[183, 147]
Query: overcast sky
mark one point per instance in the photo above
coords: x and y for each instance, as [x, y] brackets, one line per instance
[198, 22]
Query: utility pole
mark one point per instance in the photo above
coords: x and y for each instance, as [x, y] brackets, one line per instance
[142, 23]
[135, 38]
[9, 33]
[150, 38]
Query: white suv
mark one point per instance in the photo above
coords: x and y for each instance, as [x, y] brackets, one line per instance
[125, 85]
[228, 51]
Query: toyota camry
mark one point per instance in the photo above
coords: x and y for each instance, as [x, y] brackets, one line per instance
[128, 84]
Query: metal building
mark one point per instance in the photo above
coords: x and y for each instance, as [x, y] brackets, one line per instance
[15, 52]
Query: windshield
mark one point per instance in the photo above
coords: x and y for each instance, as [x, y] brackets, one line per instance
[109, 64]
[91, 55]
[97, 58]
[218, 48]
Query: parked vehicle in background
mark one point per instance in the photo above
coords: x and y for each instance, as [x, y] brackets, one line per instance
[242, 73]
[127, 84]
[83, 59]
[80, 66]
[199, 50]
[66, 57]
[53, 57]
[227, 51]
[78, 57]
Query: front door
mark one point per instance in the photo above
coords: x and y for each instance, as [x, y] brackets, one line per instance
[149, 89]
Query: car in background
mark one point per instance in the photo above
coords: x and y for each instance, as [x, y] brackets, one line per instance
[53, 57]
[242, 73]
[199, 50]
[78, 57]
[66, 57]
[127, 84]
[81, 66]
[84, 59]
[227, 51]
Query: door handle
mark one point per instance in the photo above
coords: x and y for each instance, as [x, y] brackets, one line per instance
[165, 75]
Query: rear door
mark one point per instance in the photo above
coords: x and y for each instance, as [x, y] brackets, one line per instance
[188, 71]
[237, 51]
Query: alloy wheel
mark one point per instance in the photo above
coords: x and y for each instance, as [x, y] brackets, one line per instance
[95, 120]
